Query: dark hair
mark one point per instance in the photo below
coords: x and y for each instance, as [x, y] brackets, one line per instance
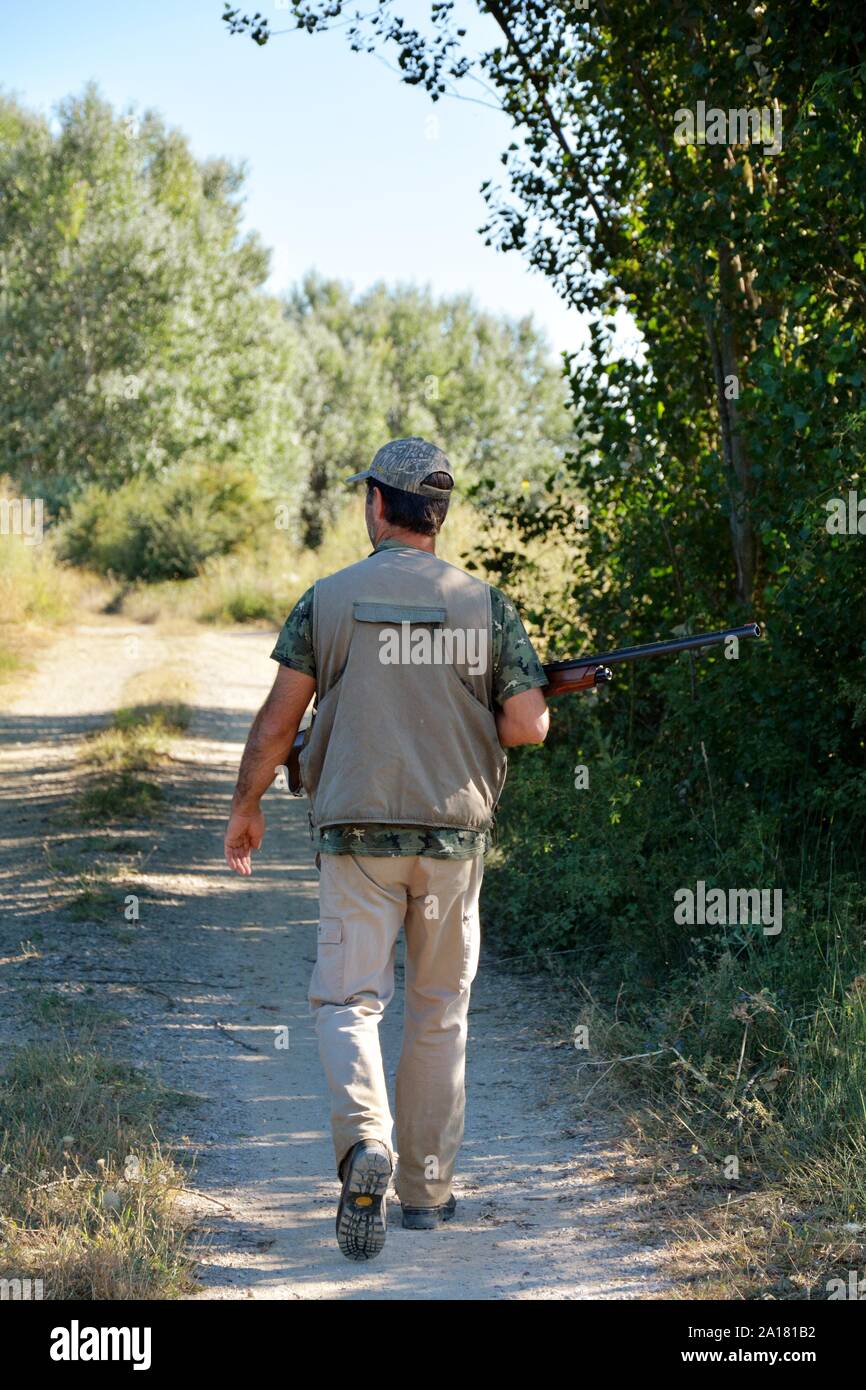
[412, 511]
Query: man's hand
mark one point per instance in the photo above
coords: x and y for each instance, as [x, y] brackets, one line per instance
[244, 834]
[269, 741]
[523, 718]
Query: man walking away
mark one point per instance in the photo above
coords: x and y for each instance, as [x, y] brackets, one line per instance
[423, 676]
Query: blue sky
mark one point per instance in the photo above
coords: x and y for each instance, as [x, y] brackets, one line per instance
[345, 172]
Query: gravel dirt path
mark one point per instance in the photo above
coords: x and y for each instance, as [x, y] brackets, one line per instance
[216, 970]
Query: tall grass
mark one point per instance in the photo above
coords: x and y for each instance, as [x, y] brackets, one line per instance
[739, 1058]
[87, 1196]
[36, 592]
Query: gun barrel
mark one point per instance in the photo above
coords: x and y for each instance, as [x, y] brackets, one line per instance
[676, 644]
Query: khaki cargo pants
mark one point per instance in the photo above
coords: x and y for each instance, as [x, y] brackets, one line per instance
[363, 903]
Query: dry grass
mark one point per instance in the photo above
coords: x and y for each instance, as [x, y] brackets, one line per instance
[781, 1224]
[37, 593]
[87, 1196]
[137, 741]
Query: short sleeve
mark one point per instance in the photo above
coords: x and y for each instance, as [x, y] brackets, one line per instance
[516, 666]
[295, 643]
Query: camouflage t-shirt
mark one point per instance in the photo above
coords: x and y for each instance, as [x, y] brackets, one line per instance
[515, 668]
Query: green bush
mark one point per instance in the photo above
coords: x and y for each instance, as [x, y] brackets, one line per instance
[757, 1042]
[165, 527]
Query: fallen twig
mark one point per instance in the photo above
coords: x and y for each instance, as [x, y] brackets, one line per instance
[239, 1041]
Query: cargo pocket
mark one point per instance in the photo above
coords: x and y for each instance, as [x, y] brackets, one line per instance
[471, 948]
[326, 986]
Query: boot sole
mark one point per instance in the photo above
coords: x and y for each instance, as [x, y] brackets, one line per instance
[361, 1222]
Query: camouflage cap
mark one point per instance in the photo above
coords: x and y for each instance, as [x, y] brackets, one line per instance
[405, 463]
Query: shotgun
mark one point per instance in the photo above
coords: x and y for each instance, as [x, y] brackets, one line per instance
[589, 671]
[565, 677]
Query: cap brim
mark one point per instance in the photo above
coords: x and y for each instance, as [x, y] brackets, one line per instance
[356, 477]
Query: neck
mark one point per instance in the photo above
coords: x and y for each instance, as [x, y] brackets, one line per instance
[413, 538]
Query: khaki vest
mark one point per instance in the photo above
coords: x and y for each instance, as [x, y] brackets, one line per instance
[400, 742]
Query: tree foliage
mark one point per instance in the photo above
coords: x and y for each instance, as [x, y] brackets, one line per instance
[708, 458]
[742, 266]
[133, 331]
[397, 361]
[139, 342]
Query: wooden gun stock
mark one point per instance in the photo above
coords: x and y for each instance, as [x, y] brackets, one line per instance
[575, 678]
[293, 761]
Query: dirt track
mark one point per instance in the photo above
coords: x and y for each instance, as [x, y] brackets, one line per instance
[216, 965]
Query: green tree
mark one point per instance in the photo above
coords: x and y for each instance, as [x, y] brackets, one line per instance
[133, 328]
[742, 265]
[398, 361]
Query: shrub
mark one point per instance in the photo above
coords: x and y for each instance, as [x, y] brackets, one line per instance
[165, 527]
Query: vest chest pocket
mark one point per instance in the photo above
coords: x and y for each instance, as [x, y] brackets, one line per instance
[395, 613]
[399, 625]
[464, 651]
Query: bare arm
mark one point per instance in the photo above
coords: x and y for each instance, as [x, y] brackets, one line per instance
[523, 718]
[268, 743]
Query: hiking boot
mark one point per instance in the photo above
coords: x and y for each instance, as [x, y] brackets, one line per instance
[428, 1218]
[366, 1172]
